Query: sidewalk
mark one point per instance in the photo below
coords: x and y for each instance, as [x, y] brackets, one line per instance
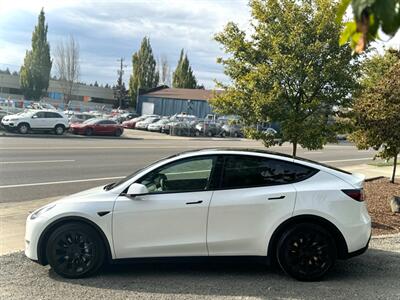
[12, 223]
[372, 171]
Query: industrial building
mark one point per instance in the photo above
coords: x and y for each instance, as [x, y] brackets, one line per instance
[84, 97]
[165, 101]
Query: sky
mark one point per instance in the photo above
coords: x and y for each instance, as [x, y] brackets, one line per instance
[108, 30]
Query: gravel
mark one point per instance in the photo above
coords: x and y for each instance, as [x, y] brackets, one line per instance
[374, 275]
[378, 194]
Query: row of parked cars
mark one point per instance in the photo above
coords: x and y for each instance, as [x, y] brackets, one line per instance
[186, 125]
[59, 122]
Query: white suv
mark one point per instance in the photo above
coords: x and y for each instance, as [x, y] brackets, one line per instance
[221, 202]
[37, 120]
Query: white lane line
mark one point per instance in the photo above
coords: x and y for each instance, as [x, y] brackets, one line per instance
[58, 182]
[344, 160]
[36, 161]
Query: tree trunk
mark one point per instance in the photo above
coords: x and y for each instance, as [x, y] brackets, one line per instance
[294, 149]
[394, 168]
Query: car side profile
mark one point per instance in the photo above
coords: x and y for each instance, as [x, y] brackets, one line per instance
[97, 127]
[33, 120]
[208, 203]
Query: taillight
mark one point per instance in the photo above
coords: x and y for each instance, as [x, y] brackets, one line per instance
[356, 194]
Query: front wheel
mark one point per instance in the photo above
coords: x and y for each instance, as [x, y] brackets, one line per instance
[23, 128]
[118, 132]
[306, 252]
[89, 131]
[59, 129]
[75, 250]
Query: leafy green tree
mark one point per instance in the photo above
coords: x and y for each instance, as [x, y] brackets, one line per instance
[377, 108]
[369, 17]
[183, 76]
[35, 72]
[291, 70]
[144, 74]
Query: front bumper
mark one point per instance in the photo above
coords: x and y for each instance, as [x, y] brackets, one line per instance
[33, 231]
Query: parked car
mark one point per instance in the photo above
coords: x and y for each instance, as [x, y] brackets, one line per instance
[34, 120]
[131, 124]
[3, 113]
[125, 117]
[157, 126]
[97, 127]
[207, 129]
[146, 122]
[234, 130]
[79, 117]
[182, 128]
[206, 203]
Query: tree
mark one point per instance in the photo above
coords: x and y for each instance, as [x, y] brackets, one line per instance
[377, 108]
[144, 73]
[183, 76]
[291, 70]
[67, 66]
[35, 72]
[369, 17]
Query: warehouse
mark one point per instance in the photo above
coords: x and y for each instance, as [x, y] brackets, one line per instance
[84, 97]
[165, 101]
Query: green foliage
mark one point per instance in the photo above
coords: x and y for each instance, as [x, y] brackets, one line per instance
[183, 76]
[144, 74]
[369, 16]
[377, 109]
[35, 72]
[291, 70]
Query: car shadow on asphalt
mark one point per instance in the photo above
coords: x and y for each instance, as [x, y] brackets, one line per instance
[375, 272]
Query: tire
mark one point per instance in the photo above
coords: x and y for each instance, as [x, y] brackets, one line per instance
[59, 129]
[236, 135]
[209, 134]
[118, 132]
[306, 252]
[89, 131]
[23, 128]
[75, 250]
[197, 133]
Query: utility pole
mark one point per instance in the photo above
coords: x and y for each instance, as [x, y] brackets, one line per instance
[119, 82]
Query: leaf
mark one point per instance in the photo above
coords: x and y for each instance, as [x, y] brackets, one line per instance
[342, 7]
[347, 33]
[359, 6]
[385, 10]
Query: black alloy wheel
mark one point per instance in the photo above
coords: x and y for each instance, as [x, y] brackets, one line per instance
[306, 252]
[89, 131]
[75, 250]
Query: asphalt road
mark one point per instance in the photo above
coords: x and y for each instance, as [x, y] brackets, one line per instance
[41, 167]
[373, 275]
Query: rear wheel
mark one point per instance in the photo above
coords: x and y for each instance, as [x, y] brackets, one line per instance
[89, 131]
[59, 129]
[75, 250]
[118, 132]
[306, 252]
[23, 128]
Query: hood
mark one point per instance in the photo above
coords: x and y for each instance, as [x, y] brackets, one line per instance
[93, 193]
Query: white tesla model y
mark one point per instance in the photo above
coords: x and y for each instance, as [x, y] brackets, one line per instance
[218, 202]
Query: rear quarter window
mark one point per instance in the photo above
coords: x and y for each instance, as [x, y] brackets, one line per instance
[252, 171]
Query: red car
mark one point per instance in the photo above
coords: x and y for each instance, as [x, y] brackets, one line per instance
[97, 127]
[132, 122]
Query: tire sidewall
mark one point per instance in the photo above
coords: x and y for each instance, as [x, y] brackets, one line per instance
[61, 132]
[80, 227]
[89, 132]
[302, 227]
[20, 126]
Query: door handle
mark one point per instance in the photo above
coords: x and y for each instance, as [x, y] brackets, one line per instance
[276, 198]
[194, 202]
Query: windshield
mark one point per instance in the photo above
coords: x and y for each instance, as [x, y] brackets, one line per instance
[90, 121]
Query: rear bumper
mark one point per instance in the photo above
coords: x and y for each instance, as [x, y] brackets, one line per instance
[359, 251]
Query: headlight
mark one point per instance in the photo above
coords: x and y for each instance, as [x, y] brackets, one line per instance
[41, 210]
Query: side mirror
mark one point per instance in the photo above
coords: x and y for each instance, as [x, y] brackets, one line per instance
[34, 117]
[136, 189]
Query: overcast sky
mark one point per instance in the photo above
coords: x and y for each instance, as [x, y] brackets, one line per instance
[108, 30]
